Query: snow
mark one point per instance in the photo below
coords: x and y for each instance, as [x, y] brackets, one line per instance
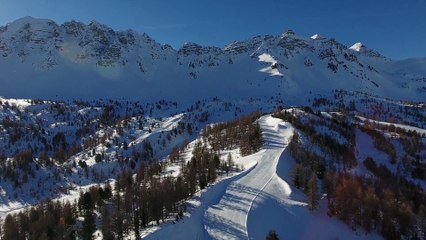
[233, 210]
[403, 126]
[316, 37]
[272, 69]
[64, 181]
[357, 47]
[20, 103]
[244, 206]
[260, 199]
[365, 148]
[36, 23]
[267, 58]
[48, 61]
[11, 207]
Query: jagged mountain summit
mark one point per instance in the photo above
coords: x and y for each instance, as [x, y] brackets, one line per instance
[357, 47]
[41, 59]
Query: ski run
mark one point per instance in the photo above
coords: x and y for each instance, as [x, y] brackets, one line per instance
[260, 199]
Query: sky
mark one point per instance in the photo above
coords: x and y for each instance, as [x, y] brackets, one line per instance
[395, 28]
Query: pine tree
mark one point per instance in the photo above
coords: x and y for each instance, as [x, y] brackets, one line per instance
[118, 217]
[89, 226]
[10, 228]
[190, 177]
[106, 227]
[211, 169]
[174, 155]
[136, 224]
[297, 175]
[313, 192]
[230, 162]
[24, 225]
[155, 203]
[422, 214]
[272, 235]
[143, 205]
[85, 201]
[68, 216]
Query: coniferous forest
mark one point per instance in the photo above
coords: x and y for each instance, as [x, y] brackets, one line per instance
[140, 197]
[376, 201]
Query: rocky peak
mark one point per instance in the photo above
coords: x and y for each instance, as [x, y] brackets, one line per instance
[357, 47]
[362, 49]
[290, 42]
[288, 33]
[100, 44]
[247, 46]
[96, 26]
[145, 38]
[196, 49]
[101, 33]
[167, 47]
[317, 37]
[333, 44]
[73, 28]
[30, 26]
[189, 49]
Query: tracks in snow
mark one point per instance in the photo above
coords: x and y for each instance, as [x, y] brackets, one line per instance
[249, 205]
[229, 218]
[225, 207]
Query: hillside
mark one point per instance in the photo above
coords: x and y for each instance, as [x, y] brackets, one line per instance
[108, 134]
[59, 150]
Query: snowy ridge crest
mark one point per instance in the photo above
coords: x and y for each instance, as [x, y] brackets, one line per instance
[71, 59]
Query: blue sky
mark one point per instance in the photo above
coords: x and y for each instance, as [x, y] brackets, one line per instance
[396, 28]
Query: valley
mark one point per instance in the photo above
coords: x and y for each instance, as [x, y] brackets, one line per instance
[109, 134]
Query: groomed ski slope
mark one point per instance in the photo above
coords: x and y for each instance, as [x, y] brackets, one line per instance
[249, 205]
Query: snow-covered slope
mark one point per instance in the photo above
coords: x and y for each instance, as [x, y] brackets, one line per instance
[91, 128]
[41, 59]
[52, 150]
[248, 206]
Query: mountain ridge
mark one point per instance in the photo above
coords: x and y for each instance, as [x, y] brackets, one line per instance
[356, 129]
[72, 59]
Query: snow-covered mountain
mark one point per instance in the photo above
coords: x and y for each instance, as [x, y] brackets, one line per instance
[207, 134]
[41, 59]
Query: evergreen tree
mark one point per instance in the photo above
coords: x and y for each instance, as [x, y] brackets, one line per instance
[10, 228]
[155, 201]
[229, 161]
[118, 218]
[85, 202]
[272, 235]
[297, 175]
[313, 192]
[106, 227]
[136, 224]
[143, 205]
[24, 225]
[211, 170]
[68, 216]
[174, 155]
[89, 226]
